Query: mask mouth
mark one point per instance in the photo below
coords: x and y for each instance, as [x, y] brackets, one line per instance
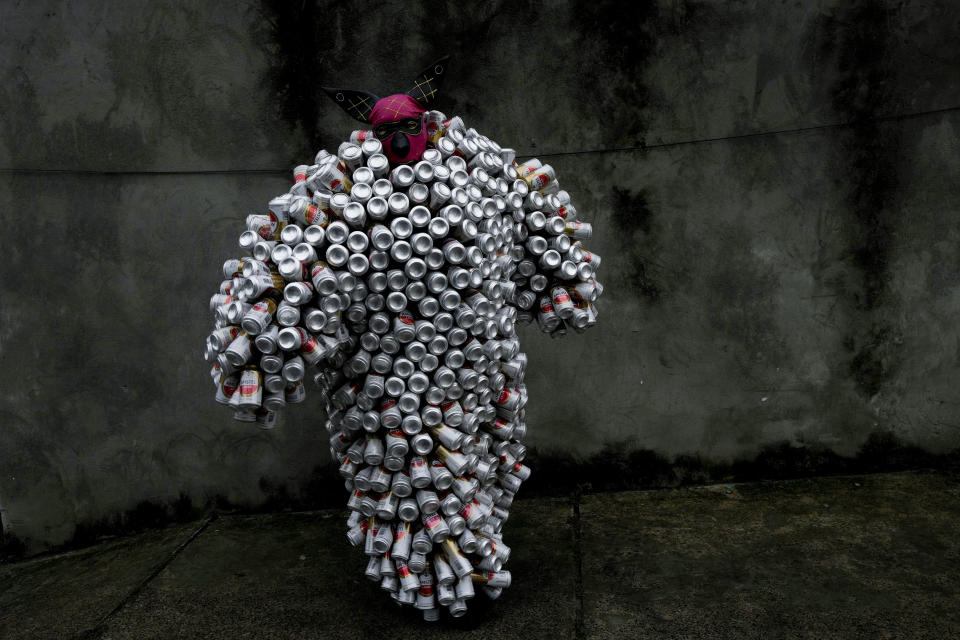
[400, 145]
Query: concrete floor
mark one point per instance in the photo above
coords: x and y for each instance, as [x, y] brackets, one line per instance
[846, 557]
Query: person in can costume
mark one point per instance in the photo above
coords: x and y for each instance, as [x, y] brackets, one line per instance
[392, 275]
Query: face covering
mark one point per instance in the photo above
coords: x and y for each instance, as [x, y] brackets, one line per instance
[397, 122]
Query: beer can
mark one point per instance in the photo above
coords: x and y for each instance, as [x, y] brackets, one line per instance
[351, 156]
[407, 510]
[562, 303]
[239, 351]
[371, 147]
[251, 389]
[379, 164]
[372, 571]
[332, 179]
[401, 542]
[418, 193]
[408, 581]
[435, 526]
[426, 600]
[293, 369]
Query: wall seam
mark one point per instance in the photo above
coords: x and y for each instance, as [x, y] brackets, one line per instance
[638, 148]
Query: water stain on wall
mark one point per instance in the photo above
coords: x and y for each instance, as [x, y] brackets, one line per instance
[294, 30]
[857, 39]
[632, 216]
[619, 39]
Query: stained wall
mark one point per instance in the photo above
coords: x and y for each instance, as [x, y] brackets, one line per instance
[773, 188]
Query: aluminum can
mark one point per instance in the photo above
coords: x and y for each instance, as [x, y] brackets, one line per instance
[402, 176]
[251, 389]
[578, 230]
[371, 146]
[562, 303]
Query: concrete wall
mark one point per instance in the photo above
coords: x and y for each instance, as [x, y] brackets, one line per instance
[780, 261]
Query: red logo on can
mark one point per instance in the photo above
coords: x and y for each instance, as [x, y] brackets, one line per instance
[561, 298]
[504, 396]
[335, 184]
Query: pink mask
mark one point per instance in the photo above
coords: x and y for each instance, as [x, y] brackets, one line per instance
[398, 123]
[397, 120]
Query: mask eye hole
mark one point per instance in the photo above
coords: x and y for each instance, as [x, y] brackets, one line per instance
[381, 132]
[413, 125]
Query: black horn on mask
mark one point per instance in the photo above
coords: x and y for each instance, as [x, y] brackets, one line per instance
[358, 104]
[425, 86]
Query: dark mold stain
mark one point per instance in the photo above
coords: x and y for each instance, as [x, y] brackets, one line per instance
[632, 218]
[294, 31]
[615, 41]
[856, 39]
[620, 466]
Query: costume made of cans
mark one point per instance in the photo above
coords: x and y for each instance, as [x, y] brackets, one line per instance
[392, 274]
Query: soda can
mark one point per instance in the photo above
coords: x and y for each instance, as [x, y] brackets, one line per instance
[408, 581]
[359, 136]
[435, 526]
[390, 584]
[390, 416]
[423, 171]
[456, 462]
[221, 338]
[351, 156]
[400, 484]
[373, 568]
[401, 542]
[239, 351]
[407, 510]
[263, 226]
[371, 147]
[421, 542]
[379, 164]
[456, 559]
[362, 176]
[293, 369]
[433, 121]
[387, 508]
[331, 178]
[419, 472]
[562, 303]
[402, 176]
[417, 562]
[401, 228]
[358, 532]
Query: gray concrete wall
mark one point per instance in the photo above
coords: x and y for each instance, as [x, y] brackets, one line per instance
[780, 259]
